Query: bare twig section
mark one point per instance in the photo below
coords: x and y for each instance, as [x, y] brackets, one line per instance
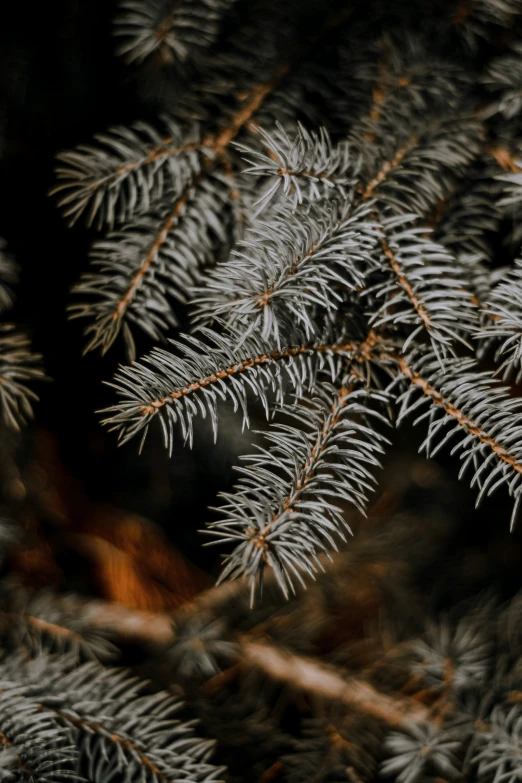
[325, 682]
[464, 421]
[131, 625]
[142, 626]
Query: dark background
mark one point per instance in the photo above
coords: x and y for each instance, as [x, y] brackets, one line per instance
[61, 83]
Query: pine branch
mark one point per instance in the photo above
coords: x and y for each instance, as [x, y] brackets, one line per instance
[167, 30]
[423, 291]
[132, 168]
[176, 389]
[453, 658]
[281, 515]
[288, 268]
[32, 746]
[146, 265]
[452, 143]
[304, 169]
[464, 405]
[468, 220]
[422, 749]
[498, 751]
[136, 167]
[177, 181]
[504, 79]
[115, 726]
[504, 311]
[17, 365]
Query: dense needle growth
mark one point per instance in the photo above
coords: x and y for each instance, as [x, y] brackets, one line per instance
[322, 224]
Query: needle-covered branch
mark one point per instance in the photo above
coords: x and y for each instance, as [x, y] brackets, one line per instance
[290, 268]
[423, 289]
[177, 388]
[287, 507]
[168, 31]
[306, 168]
[464, 405]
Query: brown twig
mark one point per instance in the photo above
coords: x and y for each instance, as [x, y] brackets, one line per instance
[355, 348]
[152, 254]
[464, 421]
[388, 166]
[325, 682]
[405, 283]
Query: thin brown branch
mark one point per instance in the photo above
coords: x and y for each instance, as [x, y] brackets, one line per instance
[388, 166]
[464, 421]
[154, 249]
[308, 469]
[405, 283]
[257, 95]
[165, 149]
[359, 351]
[53, 629]
[325, 682]
[379, 91]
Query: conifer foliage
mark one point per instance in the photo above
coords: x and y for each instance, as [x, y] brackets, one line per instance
[318, 224]
[328, 225]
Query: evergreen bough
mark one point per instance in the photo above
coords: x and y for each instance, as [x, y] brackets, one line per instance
[330, 224]
[322, 203]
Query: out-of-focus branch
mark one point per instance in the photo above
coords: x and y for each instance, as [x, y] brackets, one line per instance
[323, 681]
[305, 674]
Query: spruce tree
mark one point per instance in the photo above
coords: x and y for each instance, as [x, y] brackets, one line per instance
[316, 230]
